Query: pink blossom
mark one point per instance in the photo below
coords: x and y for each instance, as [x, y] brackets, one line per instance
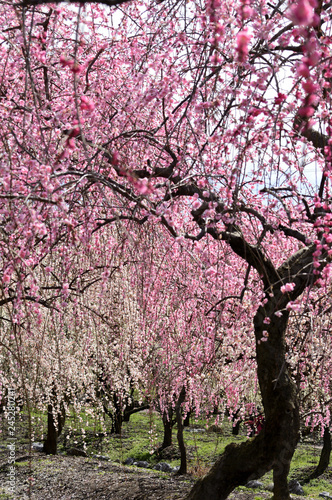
[143, 186]
[303, 70]
[71, 143]
[64, 61]
[288, 287]
[302, 13]
[6, 278]
[76, 68]
[306, 111]
[309, 87]
[219, 28]
[247, 12]
[280, 98]
[87, 104]
[242, 41]
[115, 158]
[292, 306]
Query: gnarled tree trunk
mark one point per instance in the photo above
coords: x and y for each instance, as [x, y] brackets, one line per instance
[274, 446]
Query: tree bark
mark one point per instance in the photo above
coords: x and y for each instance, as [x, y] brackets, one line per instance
[53, 430]
[117, 417]
[179, 421]
[51, 442]
[168, 425]
[274, 446]
[236, 426]
[186, 421]
[134, 409]
[115, 414]
[324, 460]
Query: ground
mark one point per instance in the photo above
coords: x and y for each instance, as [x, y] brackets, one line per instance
[64, 477]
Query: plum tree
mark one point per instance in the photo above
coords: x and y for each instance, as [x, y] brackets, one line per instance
[203, 117]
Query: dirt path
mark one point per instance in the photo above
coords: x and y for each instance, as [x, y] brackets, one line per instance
[64, 478]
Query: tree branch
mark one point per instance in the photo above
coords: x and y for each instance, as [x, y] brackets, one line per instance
[109, 3]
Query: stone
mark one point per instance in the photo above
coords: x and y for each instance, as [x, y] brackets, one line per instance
[191, 429]
[163, 467]
[142, 463]
[37, 446]
[129, 461]
[295, 487]
[254, 484]
[101, 457]
[325, 494]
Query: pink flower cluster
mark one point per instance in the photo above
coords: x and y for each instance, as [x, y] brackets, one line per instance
[302, 13]
[87, 104]
[289, 287]
[70, 63]
[242, 41]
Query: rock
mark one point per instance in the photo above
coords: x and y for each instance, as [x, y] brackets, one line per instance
[76, 452]
[325, 494]
[190, 429]
[142, 463]
[37, 446]
[295, 487]
[254, 484]
[101, 457]
[163, 467]
[129, 461]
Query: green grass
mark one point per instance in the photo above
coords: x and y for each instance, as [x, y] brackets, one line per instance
[142, 436]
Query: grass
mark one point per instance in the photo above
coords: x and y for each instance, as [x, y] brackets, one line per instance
[142, 436]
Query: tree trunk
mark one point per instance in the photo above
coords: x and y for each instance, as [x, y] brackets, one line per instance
[236, 426]
[168, 425]
[134, 409]
[117, 415]
[274, 446]
[324, 457]
[51, 442]
[179, 421]
[53, 431]
[186, 421]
